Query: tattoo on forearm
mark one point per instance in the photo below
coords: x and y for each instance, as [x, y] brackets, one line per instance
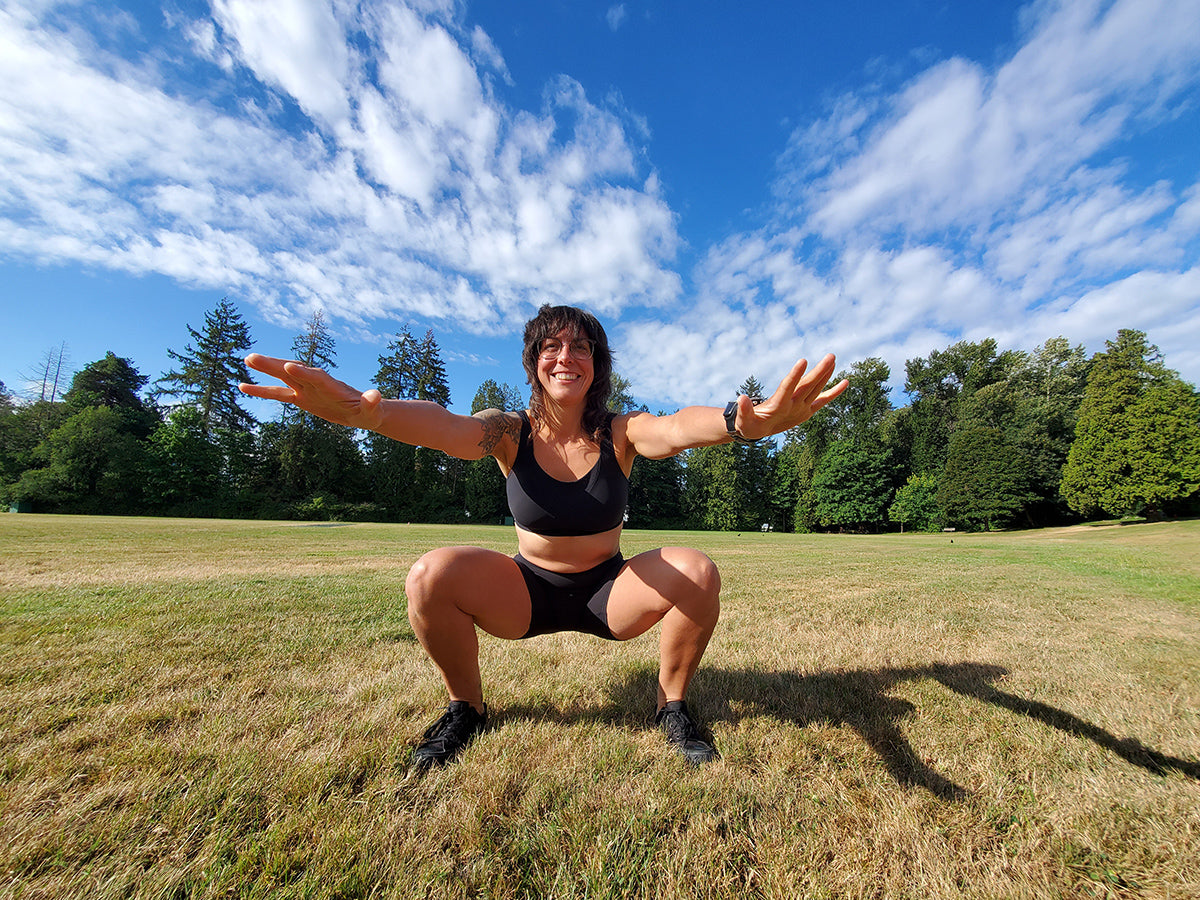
[496, 425]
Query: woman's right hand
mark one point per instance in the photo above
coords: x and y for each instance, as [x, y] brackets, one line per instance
[315, 391]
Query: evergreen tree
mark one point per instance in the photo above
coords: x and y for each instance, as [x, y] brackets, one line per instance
[656, 492]
[711, 488]
[396, 377]
[439, 479]
[390, 463]
[754, 469]
[727, 486]
[982, 484]
[211, 369]
[113, 382]
[430, 372]
[484, 482]
[656, 498]
[492, 395]
[621, 398]
[655, 485]
[1137, 438]
[316, 458]
[753, 388]
[414, 483]
[315, 345]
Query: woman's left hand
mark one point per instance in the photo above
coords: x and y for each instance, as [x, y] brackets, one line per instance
[800, 395]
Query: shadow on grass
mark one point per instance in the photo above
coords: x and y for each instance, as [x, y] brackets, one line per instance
[858, 699]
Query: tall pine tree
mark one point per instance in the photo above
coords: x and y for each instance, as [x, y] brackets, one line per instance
[317, 458]
[211, 367]
[414, 483]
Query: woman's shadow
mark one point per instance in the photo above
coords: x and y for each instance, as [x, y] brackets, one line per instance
[861, 700]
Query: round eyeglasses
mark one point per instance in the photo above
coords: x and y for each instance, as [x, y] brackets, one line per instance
[580, 348]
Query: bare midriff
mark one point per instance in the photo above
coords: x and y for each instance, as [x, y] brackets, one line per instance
[569, 554]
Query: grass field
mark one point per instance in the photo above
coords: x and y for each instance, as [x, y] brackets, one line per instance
[225, 709]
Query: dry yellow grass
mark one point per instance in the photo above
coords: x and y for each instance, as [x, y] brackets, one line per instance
[212, 709]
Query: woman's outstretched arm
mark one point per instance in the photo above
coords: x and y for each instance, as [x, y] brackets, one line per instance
[418, 422]
[798, 396]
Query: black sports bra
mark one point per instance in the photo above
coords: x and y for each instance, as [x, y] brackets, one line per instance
[593, 504]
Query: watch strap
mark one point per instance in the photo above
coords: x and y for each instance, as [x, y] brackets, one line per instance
[731, 424]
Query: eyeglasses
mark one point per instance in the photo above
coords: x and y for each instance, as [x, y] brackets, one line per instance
[580, 348]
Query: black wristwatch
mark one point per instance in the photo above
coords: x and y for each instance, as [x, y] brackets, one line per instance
[731, 424]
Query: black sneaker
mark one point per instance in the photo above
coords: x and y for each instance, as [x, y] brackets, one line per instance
[446, 737]
[684, 734]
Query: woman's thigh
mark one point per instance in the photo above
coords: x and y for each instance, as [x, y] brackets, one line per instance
[484, 584]
[651, 583]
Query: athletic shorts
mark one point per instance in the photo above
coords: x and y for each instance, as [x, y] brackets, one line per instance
[570, 601]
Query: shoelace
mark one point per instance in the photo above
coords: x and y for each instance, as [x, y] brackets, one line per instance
[678, 727]
[454, 724]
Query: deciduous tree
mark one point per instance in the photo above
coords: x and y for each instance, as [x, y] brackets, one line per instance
[915, 505]
[851, 485]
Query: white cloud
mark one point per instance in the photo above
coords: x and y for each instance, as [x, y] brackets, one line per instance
[616, 16]
[969, 203]
[959, 147]
[407, 189]
[296, 45]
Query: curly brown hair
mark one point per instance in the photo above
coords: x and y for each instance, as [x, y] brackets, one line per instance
[548, 322]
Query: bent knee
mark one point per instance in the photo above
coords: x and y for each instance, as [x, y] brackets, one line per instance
[699, 571]
[426, 574]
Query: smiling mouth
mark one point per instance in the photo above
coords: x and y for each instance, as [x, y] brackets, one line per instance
[566, 376]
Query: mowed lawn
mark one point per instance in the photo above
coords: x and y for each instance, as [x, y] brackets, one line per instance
[226, 709]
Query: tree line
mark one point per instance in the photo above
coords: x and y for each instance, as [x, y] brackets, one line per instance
[988, 439]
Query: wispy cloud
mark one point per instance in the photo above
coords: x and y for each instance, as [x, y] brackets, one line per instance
[269, 151]
[969, 202]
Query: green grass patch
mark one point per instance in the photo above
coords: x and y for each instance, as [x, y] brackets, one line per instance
[214, 709]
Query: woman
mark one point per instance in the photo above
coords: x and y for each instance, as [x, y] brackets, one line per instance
[567, 461]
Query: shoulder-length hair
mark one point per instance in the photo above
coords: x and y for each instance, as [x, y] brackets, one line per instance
[548, 322]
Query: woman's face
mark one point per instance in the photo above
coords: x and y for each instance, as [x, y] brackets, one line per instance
[564, 377]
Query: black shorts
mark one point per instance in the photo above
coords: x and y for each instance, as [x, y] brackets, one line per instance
[570, 601]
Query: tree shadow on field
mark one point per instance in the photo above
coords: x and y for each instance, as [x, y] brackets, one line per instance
[858, 699]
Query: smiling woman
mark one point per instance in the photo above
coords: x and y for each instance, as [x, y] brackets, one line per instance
[566, 460]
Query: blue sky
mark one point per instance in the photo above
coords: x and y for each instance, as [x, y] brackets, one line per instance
[729, 186]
